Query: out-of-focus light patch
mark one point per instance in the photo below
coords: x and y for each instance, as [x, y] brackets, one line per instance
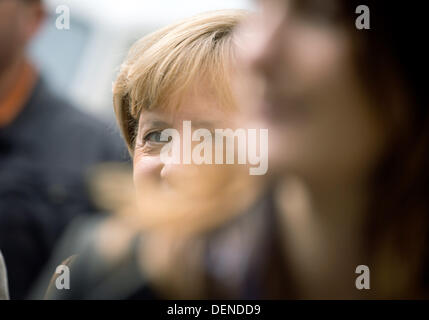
[132, 13]
[81, 63]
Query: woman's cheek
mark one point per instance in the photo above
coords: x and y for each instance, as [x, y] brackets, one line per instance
[315, 55]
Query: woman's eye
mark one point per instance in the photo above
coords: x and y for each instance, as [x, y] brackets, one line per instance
[154, 137]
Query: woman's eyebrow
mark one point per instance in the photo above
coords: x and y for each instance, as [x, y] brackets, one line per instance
[155, 123]
[207, 124]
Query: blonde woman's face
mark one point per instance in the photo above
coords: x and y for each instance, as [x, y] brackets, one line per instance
[204, 112]
[307, 90]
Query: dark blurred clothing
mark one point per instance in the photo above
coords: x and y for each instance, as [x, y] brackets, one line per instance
[92, 277]
[45, 154]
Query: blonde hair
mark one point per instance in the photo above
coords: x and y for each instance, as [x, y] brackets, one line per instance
[167, 62]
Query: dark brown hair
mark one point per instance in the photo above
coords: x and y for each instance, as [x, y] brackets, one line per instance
[393, 60]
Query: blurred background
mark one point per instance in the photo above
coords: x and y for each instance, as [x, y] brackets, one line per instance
[81, 63]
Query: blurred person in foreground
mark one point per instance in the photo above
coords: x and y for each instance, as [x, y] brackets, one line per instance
[347, 111]
[180, 73]
[46, 147]
[348, 117]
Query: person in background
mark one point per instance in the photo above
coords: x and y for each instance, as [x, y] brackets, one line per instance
[46, 148]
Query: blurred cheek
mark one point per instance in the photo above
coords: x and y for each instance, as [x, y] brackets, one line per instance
[313, 55]
[338, 133]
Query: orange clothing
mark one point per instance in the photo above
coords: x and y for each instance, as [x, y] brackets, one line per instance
[14, 100]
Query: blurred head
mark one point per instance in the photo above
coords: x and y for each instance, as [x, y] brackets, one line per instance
[323, 121]
[346, 104]
[19, 21]
[181, 72]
